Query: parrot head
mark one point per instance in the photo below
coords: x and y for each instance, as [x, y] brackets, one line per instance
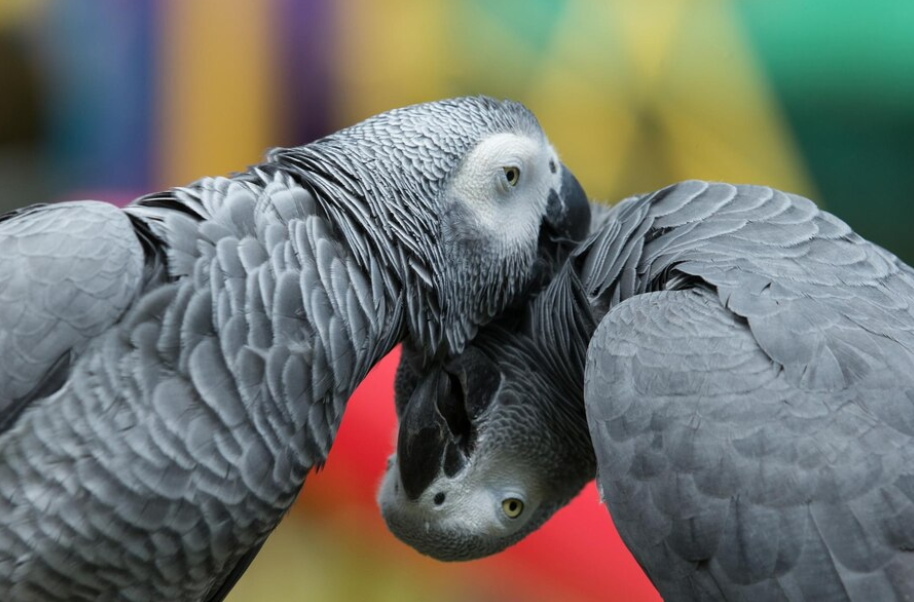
[495, 440]
[465, 198]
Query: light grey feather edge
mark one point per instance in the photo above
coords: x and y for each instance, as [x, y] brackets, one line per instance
[737, 463]
[67, 272]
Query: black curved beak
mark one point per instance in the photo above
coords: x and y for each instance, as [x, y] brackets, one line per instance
[424, 436]
[438, 423]
[568, 212]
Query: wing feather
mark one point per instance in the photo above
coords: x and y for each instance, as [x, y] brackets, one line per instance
[67, 273]
[727, 478]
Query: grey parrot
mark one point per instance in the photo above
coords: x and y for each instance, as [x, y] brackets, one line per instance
[736, 369]
[172, 371]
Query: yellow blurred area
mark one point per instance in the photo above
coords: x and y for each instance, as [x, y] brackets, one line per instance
[394, 53]
[14, 12]
[339, 560]
[634, 95]
[218, 100]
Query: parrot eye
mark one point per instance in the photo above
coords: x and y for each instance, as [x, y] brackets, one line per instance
[512, 507]
[512, 175]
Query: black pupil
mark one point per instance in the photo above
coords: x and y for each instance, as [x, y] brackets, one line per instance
[512, 175]
[512, 506]
[439, 498]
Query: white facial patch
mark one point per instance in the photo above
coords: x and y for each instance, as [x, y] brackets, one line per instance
[472, 500]
[511, 213]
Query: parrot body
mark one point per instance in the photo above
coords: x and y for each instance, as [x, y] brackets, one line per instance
[172, 371]
[738, 366]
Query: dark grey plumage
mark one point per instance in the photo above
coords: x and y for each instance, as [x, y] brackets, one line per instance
[174, 370]
[748, 393]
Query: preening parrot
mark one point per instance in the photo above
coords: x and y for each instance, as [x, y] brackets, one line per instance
[172, 371]
[736, 369]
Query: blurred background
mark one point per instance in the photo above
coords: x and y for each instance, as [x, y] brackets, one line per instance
[109, 99]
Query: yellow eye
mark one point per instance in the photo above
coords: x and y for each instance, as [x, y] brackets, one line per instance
[512, 175]
[512, 507]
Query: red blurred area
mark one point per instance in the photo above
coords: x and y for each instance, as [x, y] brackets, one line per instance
[577, 554]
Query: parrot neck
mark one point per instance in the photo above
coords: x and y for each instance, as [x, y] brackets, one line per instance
[392, 233]
[612, 265]
[301, 302]
[561, 327]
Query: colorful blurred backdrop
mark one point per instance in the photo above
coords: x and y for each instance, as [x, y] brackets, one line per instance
[113, 98]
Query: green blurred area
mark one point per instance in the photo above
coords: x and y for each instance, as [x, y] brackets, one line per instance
[843, 71]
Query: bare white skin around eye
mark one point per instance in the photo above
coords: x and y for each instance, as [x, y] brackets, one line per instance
[473, 500]
[513, 212]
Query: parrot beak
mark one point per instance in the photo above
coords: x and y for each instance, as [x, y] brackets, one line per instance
[568, 212]
[424, 434]
[437, 433]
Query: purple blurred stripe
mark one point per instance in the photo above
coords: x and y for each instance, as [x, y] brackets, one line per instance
[306, 28]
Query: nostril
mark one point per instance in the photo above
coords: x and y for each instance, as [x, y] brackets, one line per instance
[439, 498]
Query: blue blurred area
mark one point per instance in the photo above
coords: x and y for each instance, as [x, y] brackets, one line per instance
[98, 77]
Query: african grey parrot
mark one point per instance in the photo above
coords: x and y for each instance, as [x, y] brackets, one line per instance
[734, 365]
[173, 371]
